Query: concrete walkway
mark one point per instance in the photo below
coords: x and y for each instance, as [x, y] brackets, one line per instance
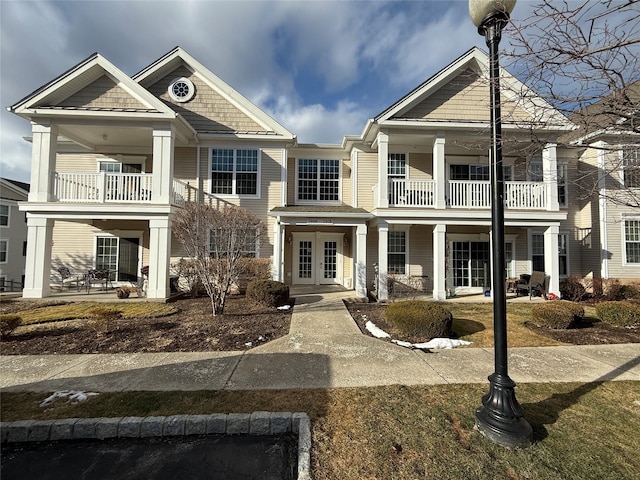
[323, 349]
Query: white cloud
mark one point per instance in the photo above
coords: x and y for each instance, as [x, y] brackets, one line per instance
[306, 63]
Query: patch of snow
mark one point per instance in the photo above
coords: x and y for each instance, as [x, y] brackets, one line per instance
[73, 395]
[442, 343]
[248, 344]
[375, 331]
[284, 307]
[403, 344]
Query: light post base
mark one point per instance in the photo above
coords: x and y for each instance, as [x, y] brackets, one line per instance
[500, 419]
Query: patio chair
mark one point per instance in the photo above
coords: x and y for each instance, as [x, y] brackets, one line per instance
[98, 276]
[532, 283]
[68, 278]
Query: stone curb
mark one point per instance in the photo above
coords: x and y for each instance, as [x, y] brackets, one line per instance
[256, 423]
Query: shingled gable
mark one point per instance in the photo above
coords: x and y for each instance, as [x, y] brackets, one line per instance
[93, 87]
[216, 108]
[460, 93]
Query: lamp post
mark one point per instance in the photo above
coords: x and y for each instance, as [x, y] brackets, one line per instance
[500, 418]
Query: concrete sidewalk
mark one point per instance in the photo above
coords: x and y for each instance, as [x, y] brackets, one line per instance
[323, 349]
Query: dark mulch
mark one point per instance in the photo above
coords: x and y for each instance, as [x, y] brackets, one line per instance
[192, 329]
[589, 332]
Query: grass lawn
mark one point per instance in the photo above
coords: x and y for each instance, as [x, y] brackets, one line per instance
[582, 431]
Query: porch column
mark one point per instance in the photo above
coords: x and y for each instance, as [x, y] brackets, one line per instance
[551, 259]
[278, 253]
[159, 257]
[550, 176]
[37, 276]
[43, 161]
[163, 143]
[360, 273]
[383, 249]
[439, 174]
[383, 164]
[439, 262]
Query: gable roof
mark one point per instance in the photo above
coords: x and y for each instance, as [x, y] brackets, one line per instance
[20, 188]
[179, 58]
[475, 63]
[49, 100]
[616, 114]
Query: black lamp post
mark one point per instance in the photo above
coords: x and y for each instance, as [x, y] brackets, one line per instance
[500, 418]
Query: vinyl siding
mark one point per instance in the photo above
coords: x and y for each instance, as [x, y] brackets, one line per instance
[421, 252]
[465, 98]
[346, 172]
[207, 111]
[420, 166]
[367, 178]
[74, 243]
[103, 93]
[73, 162]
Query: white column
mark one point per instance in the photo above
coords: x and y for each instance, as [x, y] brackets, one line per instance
[439, 175]
[550, 176]
[278, 253]
[383, 249]
[383, 164]
[551, 260]
[163, 140]
[37, 276]
[43, 161]
[360, 272]
[439, 262]
[159, 257]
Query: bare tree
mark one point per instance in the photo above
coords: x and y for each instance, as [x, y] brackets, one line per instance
[216, 239]
[582, 58]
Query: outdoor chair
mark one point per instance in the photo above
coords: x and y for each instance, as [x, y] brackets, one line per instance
[532, 283]
[98, 276]
[69, 278]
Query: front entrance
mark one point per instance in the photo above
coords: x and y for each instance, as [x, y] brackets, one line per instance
[317, 258]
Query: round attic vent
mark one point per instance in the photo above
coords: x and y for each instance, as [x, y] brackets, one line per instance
[181, 89]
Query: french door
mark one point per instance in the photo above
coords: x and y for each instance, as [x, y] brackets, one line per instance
[471, 264]
[317, 258]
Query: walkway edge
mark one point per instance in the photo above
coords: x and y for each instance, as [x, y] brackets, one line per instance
[256, 423]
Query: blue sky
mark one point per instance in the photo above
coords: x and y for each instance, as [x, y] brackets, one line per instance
[320, 68]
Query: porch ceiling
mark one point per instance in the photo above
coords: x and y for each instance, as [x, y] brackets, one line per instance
[101, 137]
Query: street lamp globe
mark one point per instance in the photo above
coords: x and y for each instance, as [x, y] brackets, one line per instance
[481, 10]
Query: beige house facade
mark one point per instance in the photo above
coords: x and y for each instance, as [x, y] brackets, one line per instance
[406, 201]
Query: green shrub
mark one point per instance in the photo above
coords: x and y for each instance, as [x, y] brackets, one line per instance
[422, 319]
[624, 313]
[8, 323]
[572, 289]
[630, 292]
[559, 314]
[268, 293]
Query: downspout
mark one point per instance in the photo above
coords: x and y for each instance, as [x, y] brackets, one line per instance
[200, 193]
[602, 214]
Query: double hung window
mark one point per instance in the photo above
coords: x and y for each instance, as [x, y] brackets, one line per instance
[632, 241]
[397, 253]
[223, 240]
[631, 167]
[235, 171]
[318, 180]
[4, 215]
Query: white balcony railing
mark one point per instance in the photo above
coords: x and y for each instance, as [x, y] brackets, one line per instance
[412, 193]
[102, 187]
[466, 194]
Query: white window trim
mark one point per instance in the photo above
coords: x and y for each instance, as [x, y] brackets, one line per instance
[318, 202]
[530, 234]
[119, 234]
[233, 181]
[565, 164]
[568, 254]
[407, 262]
[625, 262]
[624, 167]
[8, 205]
[188, 96]
[406, 165]
[6, 260]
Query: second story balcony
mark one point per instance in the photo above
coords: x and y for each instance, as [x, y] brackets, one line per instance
[103, 187]
[468, 194]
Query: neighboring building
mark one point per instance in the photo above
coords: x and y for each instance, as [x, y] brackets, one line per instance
[114, 156]
[13, 235]
[607, 215]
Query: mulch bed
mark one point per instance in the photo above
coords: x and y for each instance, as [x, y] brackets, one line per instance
[192, 329]
[590, 332]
